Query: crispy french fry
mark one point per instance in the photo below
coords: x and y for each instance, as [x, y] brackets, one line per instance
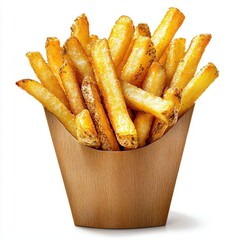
[159, 127]
[88, 46]
[71, 86]
[140, 100]
[96, 109]
[74, 50]
[188, 65]
[80, 30]
[110, 88]
[175, 53]
[154, 83]
[50, 102]
[120, 38]
[166, 30]
[54, 56]
[139, 61]
[86, 132]
[199, 83]
[142, 29]
[46, 76]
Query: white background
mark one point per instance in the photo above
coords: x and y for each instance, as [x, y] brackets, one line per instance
[33, 203]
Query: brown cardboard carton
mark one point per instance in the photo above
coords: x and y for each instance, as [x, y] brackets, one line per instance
[127, 189]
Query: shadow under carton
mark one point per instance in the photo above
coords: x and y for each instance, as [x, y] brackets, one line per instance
[127, 189]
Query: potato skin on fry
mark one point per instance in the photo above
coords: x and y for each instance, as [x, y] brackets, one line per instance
[111, 91]
[86, 132]
[96, 109]
[46, 76]
[199, 83]
[71, 86]
[139, 61]
[120, 38]
[166, 30]
[51, 103]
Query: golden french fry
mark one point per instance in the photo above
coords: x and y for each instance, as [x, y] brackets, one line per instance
[96, 109]
[120, 38]
[50, 102]
[88, 46]
[139, 61]
[54, 56]
[71, 86]
[140, 100]
[46, 76]
[110, 88]
[86, 132]
[159, 127]
[80, 30]
[188, 65]
[166, 30]
[199, 83]
[142, 29]
[75, 52]
[175, 53]
[154, 83]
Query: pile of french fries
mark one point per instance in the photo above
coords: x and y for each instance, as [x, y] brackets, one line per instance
[123, 92]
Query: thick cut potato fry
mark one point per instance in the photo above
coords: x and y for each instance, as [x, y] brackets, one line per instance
[140, 100]
[120, 38]
[175, 53]
[142, 29]
[86, 132]
[188, 65]
[166, 30]
[154, 83]
[111, 91]
[72, 89]
[54, 56]
[75, 52]
[46, 76]
[96, 109]
[159, 127]
[50, 102]
[80, 30]
[199, 83]
[88, 46]
[139, 61]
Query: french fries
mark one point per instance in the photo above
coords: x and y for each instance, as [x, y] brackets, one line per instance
[86, 132]
[54, 56]
[174, 54]
[142, 29]
[50, 102]
[96, 109]
[75, 51]
[124, 92]
[140, 100]
[188, 65]
[154, 83]
[46, 76]
[159, 127]
[120, 38]
[197, 86]
[71, 86]
[110, 88]
[166, 30]
[80, 30]
[139, 61]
